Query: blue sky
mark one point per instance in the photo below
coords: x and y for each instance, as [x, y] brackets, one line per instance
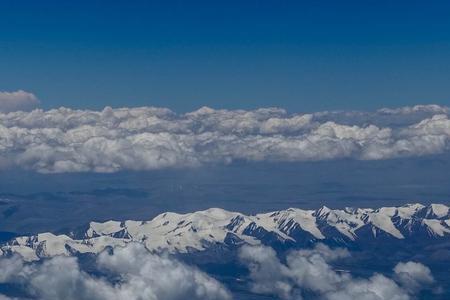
[183, 55]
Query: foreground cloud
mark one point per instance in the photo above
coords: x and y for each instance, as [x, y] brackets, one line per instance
[65, 140]
[19, 100]
[310, 272]
[135, 273]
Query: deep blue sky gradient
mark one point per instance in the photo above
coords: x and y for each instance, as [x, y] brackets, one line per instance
[301, 55]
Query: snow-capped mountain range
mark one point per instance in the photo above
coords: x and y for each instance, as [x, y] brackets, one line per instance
[198, 231]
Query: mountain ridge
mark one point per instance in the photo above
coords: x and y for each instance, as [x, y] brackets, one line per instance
[201, 230]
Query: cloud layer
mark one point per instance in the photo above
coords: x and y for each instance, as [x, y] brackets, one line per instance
[309, 272]
[65, 140]
[135, 273]
[19, 100]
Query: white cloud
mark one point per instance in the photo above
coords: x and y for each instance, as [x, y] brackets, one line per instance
[310, 271]
[377, 287]
[268, 274]
[413, 275]
[151, 276]
[19, 100]
[136, 273]
[407, 110]
[133, 273]
[65, 140]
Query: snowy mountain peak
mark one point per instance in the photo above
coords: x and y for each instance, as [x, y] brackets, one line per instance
[323, 211]
[439, 211]
[201, 230]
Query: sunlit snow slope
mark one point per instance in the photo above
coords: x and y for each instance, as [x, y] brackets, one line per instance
[182, 233]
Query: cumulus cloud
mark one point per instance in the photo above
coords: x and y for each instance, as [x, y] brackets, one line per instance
[19, 100]
[413, 275]
[133, 273]
[66, 140]
[310, 272]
